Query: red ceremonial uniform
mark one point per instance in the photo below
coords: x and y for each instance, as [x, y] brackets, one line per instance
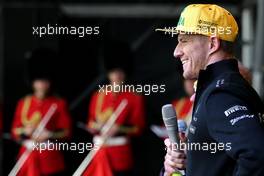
[30, 111]
[183, 108]
[117, 150]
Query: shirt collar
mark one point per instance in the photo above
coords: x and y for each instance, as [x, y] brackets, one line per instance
[216, 69]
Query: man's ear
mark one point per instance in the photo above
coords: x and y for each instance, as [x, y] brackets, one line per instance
[214, 44]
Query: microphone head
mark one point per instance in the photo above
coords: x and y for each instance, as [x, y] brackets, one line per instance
[168, 111]
[169, 116]
[170, 121]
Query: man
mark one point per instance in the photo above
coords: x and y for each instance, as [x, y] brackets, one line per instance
[30, 112]
[227, 121]
[116, 154]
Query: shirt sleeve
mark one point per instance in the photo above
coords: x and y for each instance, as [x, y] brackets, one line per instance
[138, 114]
[131, 120]
[231, 120]
[91, 118]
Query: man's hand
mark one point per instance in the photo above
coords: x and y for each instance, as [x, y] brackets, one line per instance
[29, 144]
[174, 159]
[28, 130]
[113, 130]
[44, 136]
[93, 130]
[94, 127]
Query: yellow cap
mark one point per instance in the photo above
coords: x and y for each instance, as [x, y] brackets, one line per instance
[206, 19]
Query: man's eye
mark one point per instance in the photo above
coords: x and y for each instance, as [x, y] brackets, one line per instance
[183, 41]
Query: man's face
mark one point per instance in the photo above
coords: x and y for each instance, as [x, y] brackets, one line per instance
[116, 76]
[192, 50]
[41, 85]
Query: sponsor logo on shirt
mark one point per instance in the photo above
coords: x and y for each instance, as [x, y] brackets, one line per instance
[235, 120]
[219, 82]
[235, 109]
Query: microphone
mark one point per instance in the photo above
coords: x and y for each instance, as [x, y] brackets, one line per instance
[173, 127]
[171, 124]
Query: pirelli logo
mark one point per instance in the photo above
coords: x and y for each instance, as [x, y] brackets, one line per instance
[235, 109]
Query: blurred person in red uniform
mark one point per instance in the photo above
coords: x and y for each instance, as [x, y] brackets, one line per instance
[29, 112]
[115, 157]
[184, 105]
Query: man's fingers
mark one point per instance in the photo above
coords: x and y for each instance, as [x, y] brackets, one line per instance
[175, 160]
[167, 142]
[168, 168]
[166, 174]
[182, 137]
[174, 165]
[176, 154]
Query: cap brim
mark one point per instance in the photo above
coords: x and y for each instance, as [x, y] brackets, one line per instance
[166, 30]
[171, 31]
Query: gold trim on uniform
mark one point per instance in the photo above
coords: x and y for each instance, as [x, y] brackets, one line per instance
[35, 117]
[102, 116]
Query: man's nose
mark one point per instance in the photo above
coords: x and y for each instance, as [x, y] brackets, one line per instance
[178, 52]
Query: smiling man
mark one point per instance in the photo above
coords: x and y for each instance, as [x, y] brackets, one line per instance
[227, 113]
